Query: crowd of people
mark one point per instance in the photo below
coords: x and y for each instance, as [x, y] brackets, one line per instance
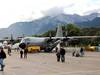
[3, 55]
[79, 53]
[60, 53]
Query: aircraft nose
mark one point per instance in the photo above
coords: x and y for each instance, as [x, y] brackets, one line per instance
[22, 45]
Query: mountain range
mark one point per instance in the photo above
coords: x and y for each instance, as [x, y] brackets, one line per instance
[49, 22]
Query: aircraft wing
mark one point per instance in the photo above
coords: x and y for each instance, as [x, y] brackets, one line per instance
[79, 37]
[73, 37]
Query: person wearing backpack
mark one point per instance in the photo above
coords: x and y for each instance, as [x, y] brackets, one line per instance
[2, 57]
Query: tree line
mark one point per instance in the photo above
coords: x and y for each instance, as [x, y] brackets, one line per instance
[74, 30]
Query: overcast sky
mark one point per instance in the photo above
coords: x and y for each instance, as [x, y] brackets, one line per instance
[12, 11]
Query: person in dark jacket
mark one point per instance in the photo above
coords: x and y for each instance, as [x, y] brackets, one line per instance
[25, 52]
[2, 57]
[82, 52]
[62, 54]
[21, 53]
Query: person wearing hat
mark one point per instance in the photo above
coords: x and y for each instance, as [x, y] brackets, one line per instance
[2, 57]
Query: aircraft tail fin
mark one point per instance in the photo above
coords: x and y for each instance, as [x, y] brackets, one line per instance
[59, 31]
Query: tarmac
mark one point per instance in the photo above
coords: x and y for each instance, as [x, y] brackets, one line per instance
[46, 64]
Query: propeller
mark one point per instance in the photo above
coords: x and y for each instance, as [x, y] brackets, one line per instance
[50, 38]
[22, 45]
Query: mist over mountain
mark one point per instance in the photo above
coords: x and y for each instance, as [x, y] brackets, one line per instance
[93, 23]
[49, 22]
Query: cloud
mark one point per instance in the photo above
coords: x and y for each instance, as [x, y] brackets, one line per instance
[53, 11]
[20, 10]
[93, 11]
[56, 10]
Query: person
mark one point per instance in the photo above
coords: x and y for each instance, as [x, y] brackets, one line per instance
[81, 52]
[21, 53]
[17, 49]
[62, 54]
[2, 57]
[58, 56]
[25, 52]
[56, 49]
[73, 53]
[9, 50]
[77, 54]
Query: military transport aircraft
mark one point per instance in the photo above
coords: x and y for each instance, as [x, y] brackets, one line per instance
[49, 42]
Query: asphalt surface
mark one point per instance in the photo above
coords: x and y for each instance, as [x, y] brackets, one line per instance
[46, 64]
